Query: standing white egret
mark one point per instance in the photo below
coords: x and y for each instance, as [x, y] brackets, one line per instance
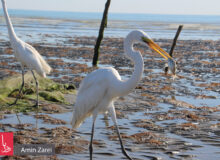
[102, 87]
[26, 55]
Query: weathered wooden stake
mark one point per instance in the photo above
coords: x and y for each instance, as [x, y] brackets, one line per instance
[173, 46]
[175, 39]
[101, 32]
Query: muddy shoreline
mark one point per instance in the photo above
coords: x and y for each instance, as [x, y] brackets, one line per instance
[161, 119]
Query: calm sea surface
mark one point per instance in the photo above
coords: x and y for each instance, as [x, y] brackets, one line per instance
[33, 25]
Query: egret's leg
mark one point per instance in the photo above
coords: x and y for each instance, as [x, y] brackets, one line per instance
[112, 111]
[92, 134]
[20, 90]
[36, 87]
[19, 121]
[18, 96]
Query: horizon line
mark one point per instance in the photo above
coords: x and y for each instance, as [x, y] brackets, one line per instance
[116, 12]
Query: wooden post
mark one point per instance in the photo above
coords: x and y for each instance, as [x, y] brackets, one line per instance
[173, 46]
[101, 32]
[175, 39]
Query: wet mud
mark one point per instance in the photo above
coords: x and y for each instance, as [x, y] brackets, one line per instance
[161, 119]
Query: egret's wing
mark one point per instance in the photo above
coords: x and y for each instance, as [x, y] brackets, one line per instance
[30, 57]
[92, 90]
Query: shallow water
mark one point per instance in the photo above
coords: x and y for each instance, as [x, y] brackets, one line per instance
[38, 25]
[188, 144]
[201, 152]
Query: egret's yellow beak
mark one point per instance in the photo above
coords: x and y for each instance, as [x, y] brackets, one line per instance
[164, 54]
[156, 48]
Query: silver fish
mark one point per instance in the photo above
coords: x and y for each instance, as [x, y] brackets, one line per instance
[172, 65]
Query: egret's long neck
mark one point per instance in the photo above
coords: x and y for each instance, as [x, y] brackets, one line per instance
[131, 83]
[11, 31]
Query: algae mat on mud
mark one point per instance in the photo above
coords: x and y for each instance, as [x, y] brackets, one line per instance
[48, 91]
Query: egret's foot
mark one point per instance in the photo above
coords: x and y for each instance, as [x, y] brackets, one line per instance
[12, 104]
[90, 151]
[126, 155]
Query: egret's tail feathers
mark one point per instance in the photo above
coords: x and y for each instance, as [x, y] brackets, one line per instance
[45, 67]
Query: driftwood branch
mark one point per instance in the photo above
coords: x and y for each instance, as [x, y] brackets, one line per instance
[101, 32]
[175, 39]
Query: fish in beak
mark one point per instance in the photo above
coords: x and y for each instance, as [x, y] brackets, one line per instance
[172, 66]
[164, 54]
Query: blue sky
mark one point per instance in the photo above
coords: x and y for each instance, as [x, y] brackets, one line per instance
[195, 7]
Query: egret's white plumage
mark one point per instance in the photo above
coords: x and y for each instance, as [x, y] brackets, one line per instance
[95, 94]
[30, 57]
[99, 90]
[25, 53]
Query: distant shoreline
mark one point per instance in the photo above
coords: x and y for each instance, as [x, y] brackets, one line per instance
[115, 16]
[59, 25]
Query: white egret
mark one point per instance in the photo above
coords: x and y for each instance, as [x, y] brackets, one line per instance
[26, 55]
[99, 90]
